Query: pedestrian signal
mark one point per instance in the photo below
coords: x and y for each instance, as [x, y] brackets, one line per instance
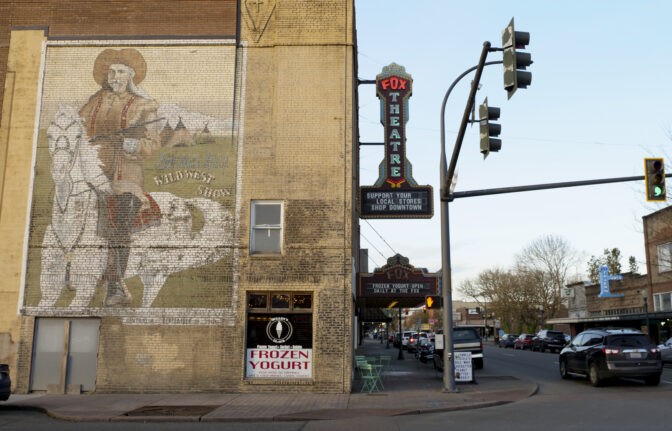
[433, 301]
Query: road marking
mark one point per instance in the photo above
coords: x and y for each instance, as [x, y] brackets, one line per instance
[509, 354]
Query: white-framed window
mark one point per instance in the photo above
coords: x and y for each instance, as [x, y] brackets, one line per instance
[665, 257]
[266, 231]
[662, 301]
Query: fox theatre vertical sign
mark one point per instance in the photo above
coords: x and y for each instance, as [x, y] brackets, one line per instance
[395, 194]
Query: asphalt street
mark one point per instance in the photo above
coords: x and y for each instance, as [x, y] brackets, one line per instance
[559, 405]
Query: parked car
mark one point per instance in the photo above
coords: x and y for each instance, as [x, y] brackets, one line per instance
[464, 340]
[404, 339]
[548, 339]
[397, 339]
[524, 341]
[609, 353]
[507, 340]
[5, 382]
[666, 351]
[410, 346]
[414, 341]
[425, 350]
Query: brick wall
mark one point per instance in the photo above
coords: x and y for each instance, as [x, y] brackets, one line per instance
[296, 84]
[657, 231]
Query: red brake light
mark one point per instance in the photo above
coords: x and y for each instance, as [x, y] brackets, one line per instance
[610, 351]
[655, 350]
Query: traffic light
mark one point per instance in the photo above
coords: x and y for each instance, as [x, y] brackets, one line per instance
[489, 130]
[655, 180]
[433, 301]
[514, 60]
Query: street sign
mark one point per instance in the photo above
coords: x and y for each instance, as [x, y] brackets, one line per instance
[605, 292]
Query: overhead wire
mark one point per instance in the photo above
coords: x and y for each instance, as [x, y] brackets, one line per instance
[380, 236]
[374, 247]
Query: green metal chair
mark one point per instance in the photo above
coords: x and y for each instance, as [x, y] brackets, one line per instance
[359, 367]
[370, 381]
[385, 361]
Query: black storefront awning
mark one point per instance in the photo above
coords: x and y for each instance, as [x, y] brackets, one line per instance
[373, 315]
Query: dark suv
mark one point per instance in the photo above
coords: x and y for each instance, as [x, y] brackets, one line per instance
[611, 353]
[547, 339]
[464, 340]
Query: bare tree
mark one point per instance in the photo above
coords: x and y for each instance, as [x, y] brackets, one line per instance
[548, 260]
[510, 296]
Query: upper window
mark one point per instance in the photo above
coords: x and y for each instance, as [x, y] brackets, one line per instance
[665, 257]
[662, 301]
[266, 232]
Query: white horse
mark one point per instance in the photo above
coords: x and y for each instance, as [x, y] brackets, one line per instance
[73, 254]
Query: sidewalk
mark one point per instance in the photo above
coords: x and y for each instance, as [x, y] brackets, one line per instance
[410, 388]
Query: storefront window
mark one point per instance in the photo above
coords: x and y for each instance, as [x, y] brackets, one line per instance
[302, 301]
[280, 301]
[258, 301]
[279, 340]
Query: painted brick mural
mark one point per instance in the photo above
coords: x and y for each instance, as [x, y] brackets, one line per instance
[134, 194]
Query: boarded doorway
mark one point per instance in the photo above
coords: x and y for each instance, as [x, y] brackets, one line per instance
[65, 352]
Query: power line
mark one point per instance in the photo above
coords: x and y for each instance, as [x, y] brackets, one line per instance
[374, 262]
[380, 236]
[374, 247]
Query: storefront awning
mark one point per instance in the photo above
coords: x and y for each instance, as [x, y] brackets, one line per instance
[373, 315]
[612, 318]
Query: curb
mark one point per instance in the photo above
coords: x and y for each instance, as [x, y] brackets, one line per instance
[314, 415]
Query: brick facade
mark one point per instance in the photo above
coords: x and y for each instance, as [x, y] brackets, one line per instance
[282, 75]
[657, 232]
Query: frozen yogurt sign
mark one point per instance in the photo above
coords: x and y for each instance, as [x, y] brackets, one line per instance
[395, 194]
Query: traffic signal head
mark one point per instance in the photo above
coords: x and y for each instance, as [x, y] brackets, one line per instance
[488, 130]
[515, 60]
[655, 180]
[433, 301]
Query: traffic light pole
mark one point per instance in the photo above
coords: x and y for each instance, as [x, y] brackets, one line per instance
[487, 192]
[446, 176]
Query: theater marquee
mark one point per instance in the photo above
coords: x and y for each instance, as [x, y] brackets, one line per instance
[398, 279]
[395, 194]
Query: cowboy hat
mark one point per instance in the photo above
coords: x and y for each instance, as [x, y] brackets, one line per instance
[128, 56]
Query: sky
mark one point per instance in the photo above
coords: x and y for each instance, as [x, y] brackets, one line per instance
[597, 106]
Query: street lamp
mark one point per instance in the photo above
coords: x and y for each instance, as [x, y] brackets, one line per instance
[645, 296]
[446, 176]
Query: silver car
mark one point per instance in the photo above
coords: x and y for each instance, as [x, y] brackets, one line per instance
[666, 351]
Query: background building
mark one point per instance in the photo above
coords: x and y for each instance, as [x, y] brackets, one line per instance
[640, 301]
[234, 147]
